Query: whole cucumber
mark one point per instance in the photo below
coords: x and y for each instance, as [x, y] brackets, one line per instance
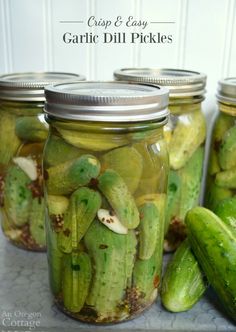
[214, 245]
[183, 282]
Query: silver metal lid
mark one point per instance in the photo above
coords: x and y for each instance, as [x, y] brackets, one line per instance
[106, 101]
[30, 86]
[226, 92]
[181, 83]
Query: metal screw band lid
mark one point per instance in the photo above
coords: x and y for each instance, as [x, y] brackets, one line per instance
[106, 101]
[30, 86]
[226, 92]
[181, 83]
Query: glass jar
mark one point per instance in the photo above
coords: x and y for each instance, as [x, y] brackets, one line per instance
[185, 135]
[105, 167]
[220, 188]
[23, 132]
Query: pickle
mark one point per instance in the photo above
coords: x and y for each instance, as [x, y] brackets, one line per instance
[57, 205]
[213, 167]
[30, 128]
[64, 178]
[57, 151]
[83, 206]
[147, 275]
[130, 171]
[214, 245]
[215, 194]
[116, 192]
[223, 123]
[77, 273]
[189, 134]
[191, 176]
[173, 198]
[227, 150]
[113, 257]
[17, 196]
[91, 141]
[148, 229]
[226, 179]
[37, 221]
[183, 282]
[9, 142]
[151, 169]
[55, 257]
[226, 210]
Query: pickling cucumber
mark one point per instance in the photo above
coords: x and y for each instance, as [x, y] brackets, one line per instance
[116, 192]
[183, 283]
[64, 178]
[214, 245]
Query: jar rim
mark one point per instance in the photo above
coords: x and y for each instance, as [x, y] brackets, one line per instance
[180, 82]
[106, 101]
[226, 91]
[29, 86]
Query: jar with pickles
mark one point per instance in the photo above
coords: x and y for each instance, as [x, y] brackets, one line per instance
[220, 191]
[185, 135]
[105, 169]
[23, 132]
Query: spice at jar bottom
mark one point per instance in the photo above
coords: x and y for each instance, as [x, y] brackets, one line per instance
[105, 170]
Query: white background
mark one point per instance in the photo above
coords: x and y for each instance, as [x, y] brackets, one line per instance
[204, 37]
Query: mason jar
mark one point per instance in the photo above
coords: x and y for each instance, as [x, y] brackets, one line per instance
[185, 135]
[220, 188]
[23, 132]
[105, 169]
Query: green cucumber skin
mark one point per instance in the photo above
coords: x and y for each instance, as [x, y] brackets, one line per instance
[227, 151]
[57, 151]
[226, 179]
[226, 210]
[214, 245]
[65, 178]
[83, 206]
[148, 228]
[186, 138]
[191, 176]
[55, 259]
[215, 194]
[113, 257]
[183, 282]
[17, 196]
[9, 142]
[147, 273]
[37, 221]
[173, 197]
[29, 128]
[77, 274]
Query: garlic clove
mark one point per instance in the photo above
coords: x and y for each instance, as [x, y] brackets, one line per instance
[28, 166]
[110, 220]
